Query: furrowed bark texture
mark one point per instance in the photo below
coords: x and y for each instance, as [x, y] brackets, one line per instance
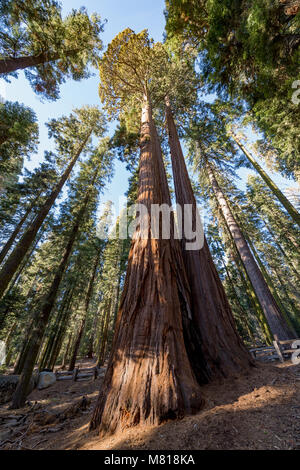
[149, 378]
[275, 319]
[222, 346]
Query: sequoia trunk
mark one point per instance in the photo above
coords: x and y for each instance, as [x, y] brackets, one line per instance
[149, 378]
[222, 347]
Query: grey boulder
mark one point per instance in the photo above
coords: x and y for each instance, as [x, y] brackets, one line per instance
[46, 379]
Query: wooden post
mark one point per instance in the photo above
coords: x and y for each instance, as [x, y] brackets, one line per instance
[278, 350]
[75, 374]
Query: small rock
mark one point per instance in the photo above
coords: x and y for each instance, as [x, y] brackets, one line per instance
[46, 379]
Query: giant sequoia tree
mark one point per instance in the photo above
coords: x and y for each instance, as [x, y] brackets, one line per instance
[222, 346]
[149, 378]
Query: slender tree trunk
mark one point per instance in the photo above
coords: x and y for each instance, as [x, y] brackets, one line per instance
[16, 232]
[270, 183]
[253, 300]
[66, 354]
[243, 313]
[90, 354]
[86, 309]
[8, 65]
[149, 378]
[9, 349]
[271, 286]
[223, 349]
[273, 315]
[104, 334]
[61, 332]
[55, 330]
[4, 311]
[77, 345]
[295, 317]
[28, 237]
[35, 341]
[101, 331]
[287, 258]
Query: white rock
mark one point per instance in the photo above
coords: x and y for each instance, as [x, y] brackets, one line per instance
[46, 379]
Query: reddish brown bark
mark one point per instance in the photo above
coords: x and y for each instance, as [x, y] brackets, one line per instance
[222, 347]
[149, 378]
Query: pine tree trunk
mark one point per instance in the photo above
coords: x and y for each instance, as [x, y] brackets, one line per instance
[77, 345]
[39, 327]
[16, 257]
[86, 309]
[270, 285]
[223, 349]
[9, 65]
[55, 330]
[287, 258]
[4, 311]
[61, 333]
[295, 316]
[270, 183]
[149, 378]
[253, 300]
[104, 334]
[273, 315]
[66, 354]
[243, 313]
[90, 353]
[16, 231]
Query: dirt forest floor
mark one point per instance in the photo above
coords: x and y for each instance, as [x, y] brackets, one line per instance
[260, 410]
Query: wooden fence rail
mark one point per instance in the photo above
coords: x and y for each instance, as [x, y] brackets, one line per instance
[281, 350]
[80, 374]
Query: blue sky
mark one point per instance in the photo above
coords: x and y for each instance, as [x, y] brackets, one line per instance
[120, 14]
